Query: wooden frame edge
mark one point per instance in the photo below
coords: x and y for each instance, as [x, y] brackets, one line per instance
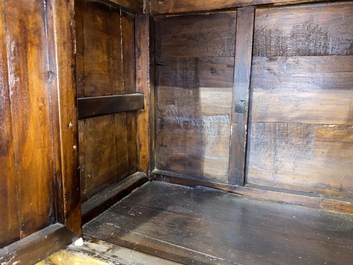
[282, 196]
[111, 195]
[38, 246]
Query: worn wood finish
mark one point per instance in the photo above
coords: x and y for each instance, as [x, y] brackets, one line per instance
[170, 221]
[187, 6]
[194, 80]
[145, 118]
[9, 218]
[308, 199]
[26, 144]
[98, 252]
[38, 245]
[301, 114]
[240, 101]
[105, 67]
[97, 106]
[112, 194]
[135, 6]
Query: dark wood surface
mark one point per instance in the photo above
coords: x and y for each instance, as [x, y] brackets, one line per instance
[240, 101]
[105, 66]
[194, 63]
[98, 106]
[301, 114]
[204, 226]
[37, 246]
[308, 199]
[110, 195]
[144, 84]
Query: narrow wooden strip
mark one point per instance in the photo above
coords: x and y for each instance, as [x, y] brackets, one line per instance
[38, 245]
[65, 113]
[184, 6]
[143, 85]
[278, 195]
[240, 104]
[98, 106]
[112, 194]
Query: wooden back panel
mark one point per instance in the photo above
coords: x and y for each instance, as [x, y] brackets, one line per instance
[302, 94]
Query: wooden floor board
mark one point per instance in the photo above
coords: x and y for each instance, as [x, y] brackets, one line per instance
[205, 226]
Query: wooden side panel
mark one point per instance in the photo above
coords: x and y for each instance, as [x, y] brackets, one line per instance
[30, 111]
[301, 115]
[194, 80]
[106, 66]
[9, 219]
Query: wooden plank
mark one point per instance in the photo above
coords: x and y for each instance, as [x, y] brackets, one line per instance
[38, 245]
[99, 163]
[110, 195]
[144, 84]
[98, 106]
[210, 35]
[308, 30]
[240, 98]
[304, 157]
[310, 199]
[9, 218]
[295, 89]
[30, 112]
[129, 79]
[194, 79]
[96, 50]
[188, 6]
[64, 113]
[170, 221]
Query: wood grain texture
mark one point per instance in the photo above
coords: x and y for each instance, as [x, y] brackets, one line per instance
[240, 98]
[183, 224]
[301, 115]
[30, 113]
[135, 6]
[194, 80]
[307, 199]
[106, 66]
[9, 217]
[65, 114]
[89, 107]
[37, 246]
[188, 6]
[145, 117]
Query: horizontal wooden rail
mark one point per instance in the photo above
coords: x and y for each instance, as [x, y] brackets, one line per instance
[97, 106]
[187, 6]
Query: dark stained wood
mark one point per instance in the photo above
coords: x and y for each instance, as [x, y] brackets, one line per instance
[9, 218]
[65, 114]
[112, 194]
[106, 67]
[188, 6]
[301, 114]
[38, 245]
[30, 143]
[97, 106]
[135, 6]
[240, 102]
[194, 63]
[183, 224]
[145, 117]
[307, 199]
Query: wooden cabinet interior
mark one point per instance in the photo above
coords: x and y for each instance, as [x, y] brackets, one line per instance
[252, 97]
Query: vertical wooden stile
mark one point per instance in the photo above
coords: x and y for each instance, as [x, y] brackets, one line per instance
[143, 85]
[240, 102]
